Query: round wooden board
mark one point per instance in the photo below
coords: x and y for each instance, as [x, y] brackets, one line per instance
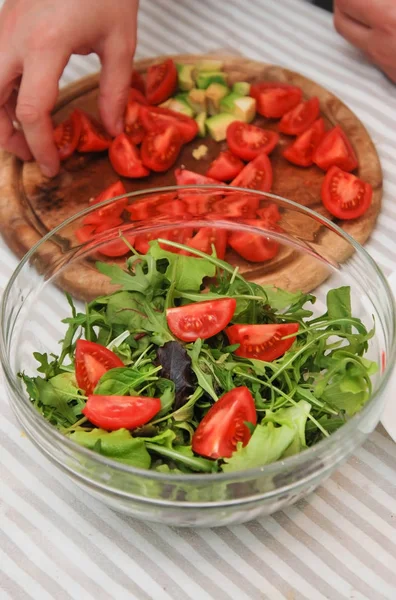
[31, 205]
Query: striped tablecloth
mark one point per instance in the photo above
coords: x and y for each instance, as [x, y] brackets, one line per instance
[57, 543]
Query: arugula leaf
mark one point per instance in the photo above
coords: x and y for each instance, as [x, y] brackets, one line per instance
[266, 445]
[125, 308]
[183, 455]
[339, 306]
[124, 380]
[189, 271]
[157, 325]
[120, 277]
[47, 367]
[119, 445]
[279, 299]
[205, 379]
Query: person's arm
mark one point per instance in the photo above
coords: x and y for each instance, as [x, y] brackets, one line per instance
[37, 38]
[371, 26]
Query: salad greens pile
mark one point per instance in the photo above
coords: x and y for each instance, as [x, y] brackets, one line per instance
[300, 398]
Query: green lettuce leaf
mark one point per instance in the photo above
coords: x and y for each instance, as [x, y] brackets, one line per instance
[296, 418]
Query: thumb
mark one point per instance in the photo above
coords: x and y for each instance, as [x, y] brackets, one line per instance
[115, 80]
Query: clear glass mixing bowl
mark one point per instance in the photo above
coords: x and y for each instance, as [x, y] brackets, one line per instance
[314, 254]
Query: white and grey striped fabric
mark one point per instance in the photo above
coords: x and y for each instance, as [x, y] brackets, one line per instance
[57, 543]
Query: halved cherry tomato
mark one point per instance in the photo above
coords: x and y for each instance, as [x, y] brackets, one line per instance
[301, 151]
[275, 99]
[257, 175]
[114, 210]
[153, 117]
[93, 136]
[224, 425]
[263, 342]
[67, 135]
[254, 247]
[201, 319]
[125, 159]
[133, 126]
[161, 81]
[248, 141]
[120, 412]
[205, 239]
[300, 118]
[335, 150]
[236, 205]
[225, 167]
[186, 177]
[91, 362]
[137, 82]
[144, 208]
[160, 148]
[344, 195]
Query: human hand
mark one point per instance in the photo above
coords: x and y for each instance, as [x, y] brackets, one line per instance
[371, 26]
[37, 38]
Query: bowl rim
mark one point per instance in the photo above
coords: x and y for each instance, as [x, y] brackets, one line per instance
[308, 455]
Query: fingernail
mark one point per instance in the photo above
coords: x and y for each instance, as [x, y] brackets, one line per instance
[48, 171]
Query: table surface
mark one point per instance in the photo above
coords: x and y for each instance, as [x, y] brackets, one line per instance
[56, 542]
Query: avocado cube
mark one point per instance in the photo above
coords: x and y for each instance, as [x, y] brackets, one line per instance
[242, 107]
[242, 88]
[214, 94]
[179, 105]
[197, 100]
[185, 76]
[205, 78]
[200, 120]
[218, 124]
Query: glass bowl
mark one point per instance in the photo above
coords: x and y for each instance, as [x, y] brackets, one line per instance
[312, 254]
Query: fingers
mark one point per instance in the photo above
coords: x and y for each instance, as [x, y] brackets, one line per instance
[11, 140]
[117, 65]
[356, 33]
[36, 99]
[367, 12]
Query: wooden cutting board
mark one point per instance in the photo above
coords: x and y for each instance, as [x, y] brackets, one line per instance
[31, 205]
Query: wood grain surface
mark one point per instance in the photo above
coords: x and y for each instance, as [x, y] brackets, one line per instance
[31, 205]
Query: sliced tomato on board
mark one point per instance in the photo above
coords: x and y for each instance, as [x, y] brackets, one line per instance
[300, 118]
[254, 247]
[201, 319]
[137, 96]
[197, 204]
[133, 126]
[263, 342]
[137, 82]
[236, 205]
[110, 212]
[269, 214]
[85, 233]
[225, 167]
[256, 175]
[120, 412]
[186, 177]
[153, 117]
[93, 137]
[67, 135]
[275, 99]
[160, 148]
[145, 208]
[179, 235]
[91, 362]
[161, 81]
[224, 425]
[248, 141]
[301, 151]
[173, 208]
[125, 159]
[344, 195]
[117, 247]
[335, 150]
[205, 239]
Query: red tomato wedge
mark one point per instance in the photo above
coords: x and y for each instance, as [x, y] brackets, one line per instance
[93, 137]
[344, 195]
[117, 246]
[110, 212]
[263, 342]
[125, 159]
[197, 204]
[91, 362]
[248, 141]
[225, 167]
[180, 235]
[257, 175]
[300, 118]
[224, 425]
[160, 148]
[144, 208]
[207, 238]
[133, 126]
[186, 177]
[269, 214]
[85, 233]
[301, 151]
[153, 117]
[67, 135]
[173, 208]
[201, 319]
[161, 81]
[120, 412]
[236, 205]
[137, 96]
[335, 150]
[137, 82]
[254, 247]
[275, 99]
